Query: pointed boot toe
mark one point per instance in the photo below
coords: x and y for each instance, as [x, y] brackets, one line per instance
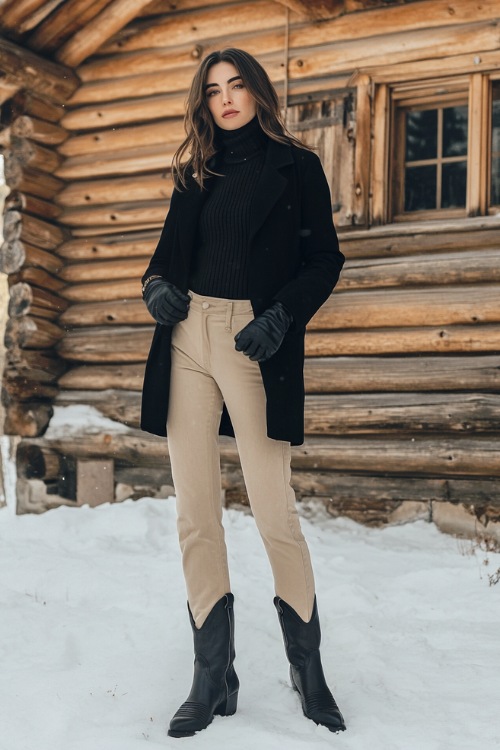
[215, 684]
[302, 641]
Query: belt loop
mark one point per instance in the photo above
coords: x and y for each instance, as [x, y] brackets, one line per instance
[229, 313]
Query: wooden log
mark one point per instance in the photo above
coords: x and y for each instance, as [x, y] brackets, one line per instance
[132, 312]
[385, 413]
[30, 229]
[398, 48]
[16, 254]
[43, 366]
[35, 156]
[467, 267]
[27, 180]
[119, 214]
[37, 74]
[31, 333]
[158, 54]
[335, 375]
[436, 340]
[450, 456]
[375, 309]
[24, 298]
[356, 496]
[99, 378]
[205, 23]
[38, 277]
[15, 12]
[23, 202]
[102, 248]
[132, 344]
[355, 414]
[410, 307]
[23, 389]
[38, 130]
[117, 190]
[110, 20]
[372, 21]
[165, 81]
[124, 112]
[110, 230]
[27, 419]
[68, 18]
[162, 7]
[128, 345]
[450, 65]
[112, 290]
[37, 462]
[315, 9]
[122, 65]
[375, 500]
[161, 132]
[133, 161]
[25, 103]
[410, 238]
[128, 268]
[373, 374]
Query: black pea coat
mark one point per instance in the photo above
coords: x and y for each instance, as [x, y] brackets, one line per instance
[294, 259]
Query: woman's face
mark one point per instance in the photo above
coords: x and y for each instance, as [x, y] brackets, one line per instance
[228, 99]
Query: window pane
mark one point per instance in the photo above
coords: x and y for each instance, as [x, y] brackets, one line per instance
[495, 144]
[454, 185]
[420, 188]
[421, 135]
[495, 120]
[495, 181]
[455, 125]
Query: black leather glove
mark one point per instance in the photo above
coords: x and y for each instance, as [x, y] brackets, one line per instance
[263, 336]
[167, 304]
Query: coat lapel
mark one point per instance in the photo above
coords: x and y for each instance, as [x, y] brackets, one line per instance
[270, 185]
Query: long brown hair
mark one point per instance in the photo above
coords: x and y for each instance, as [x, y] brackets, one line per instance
[199, 124]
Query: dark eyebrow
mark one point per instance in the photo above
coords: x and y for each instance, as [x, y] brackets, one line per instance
[230, 80]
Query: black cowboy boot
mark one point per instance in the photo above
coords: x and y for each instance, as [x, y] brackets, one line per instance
[302, 641]
[215, 684]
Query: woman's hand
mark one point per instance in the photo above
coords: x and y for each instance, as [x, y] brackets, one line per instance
[263, 336]
[167, 304]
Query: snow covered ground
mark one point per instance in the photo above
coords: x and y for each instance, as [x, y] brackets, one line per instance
[96, 649]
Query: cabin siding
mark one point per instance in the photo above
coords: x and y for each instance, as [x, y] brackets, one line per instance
[403, 361]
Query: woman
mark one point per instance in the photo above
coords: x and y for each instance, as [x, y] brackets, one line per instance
[247, 255]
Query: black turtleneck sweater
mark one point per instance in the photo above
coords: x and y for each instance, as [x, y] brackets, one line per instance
[221, 262]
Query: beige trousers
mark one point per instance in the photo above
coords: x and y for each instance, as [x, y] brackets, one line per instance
[206, 372]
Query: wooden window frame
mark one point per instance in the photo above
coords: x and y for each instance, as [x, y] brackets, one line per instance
[473, 88]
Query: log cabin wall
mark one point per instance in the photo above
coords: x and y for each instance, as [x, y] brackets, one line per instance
[32, 94]
[402, 407]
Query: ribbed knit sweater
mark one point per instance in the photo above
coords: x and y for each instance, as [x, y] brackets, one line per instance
[222, 247]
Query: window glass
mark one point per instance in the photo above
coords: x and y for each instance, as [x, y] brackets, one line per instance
[495, 144]
[420, 188]
[421, 135]
[455, 128]
[454, 185]
[435, 164]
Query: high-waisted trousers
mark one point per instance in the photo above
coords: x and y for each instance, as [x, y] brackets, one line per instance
[207, 372]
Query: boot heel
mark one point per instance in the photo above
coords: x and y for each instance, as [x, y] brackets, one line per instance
[228, 707]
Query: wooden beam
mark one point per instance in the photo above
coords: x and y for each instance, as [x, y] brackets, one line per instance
[69, 18]
[32, 72]
[315, 9]
[88, 40]
[14, 12]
